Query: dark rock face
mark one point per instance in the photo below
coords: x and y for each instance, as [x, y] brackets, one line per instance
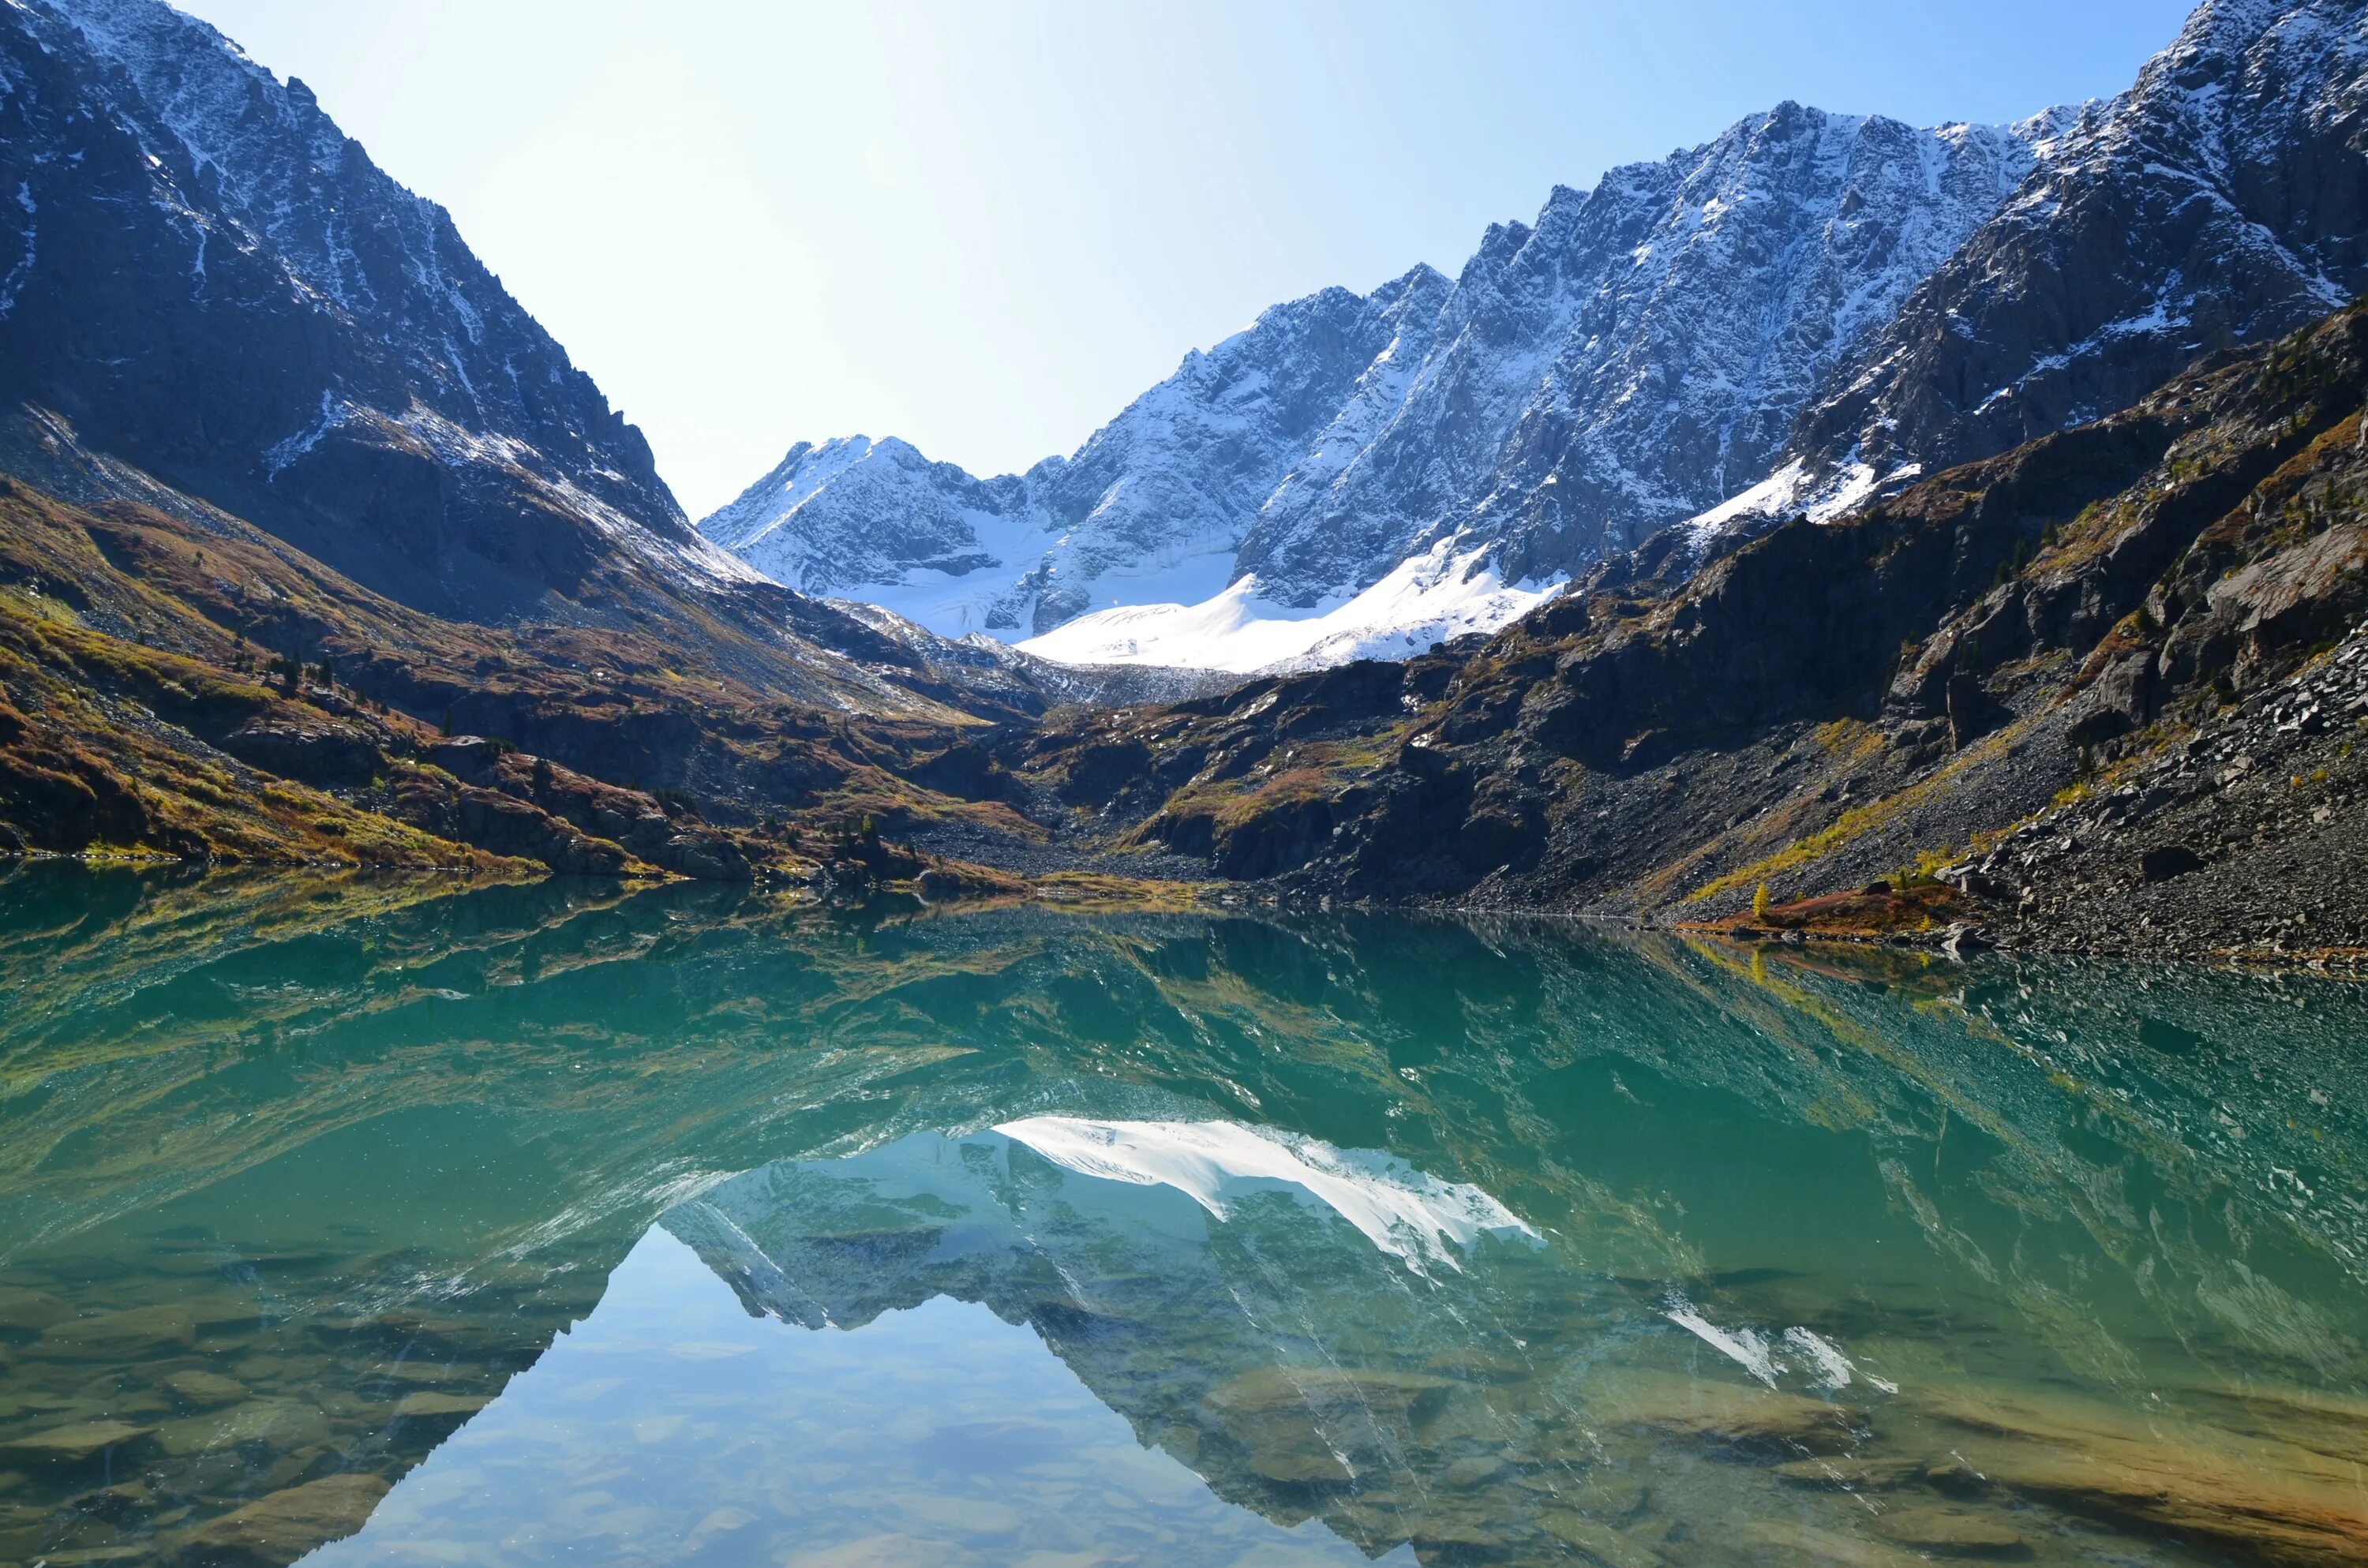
[330, 751]
[2221, 200]
[2168, 860]
[209, 281]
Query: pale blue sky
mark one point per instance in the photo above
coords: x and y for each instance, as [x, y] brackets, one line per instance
[984, 227]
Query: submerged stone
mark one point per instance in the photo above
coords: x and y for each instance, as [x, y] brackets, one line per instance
[440, 1406]
[1669, 1405]
[1845, 1472]
[1950, 1531]
[82, 1440]
[1271, 1391]
[1300, 1466]
[1468, 1473]
[205, 1390]
[1599, 1542]
[276, 1423]
[2264, 1497]
[30, 1311]
[283, 1526]
[130, 1332]
[1786, 1543]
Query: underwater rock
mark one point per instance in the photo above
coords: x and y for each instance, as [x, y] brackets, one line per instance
[2265, 1498]
[1478, 1470]
[1279, 1390]
[68, 1445]
[132, 1332]
[30, 1311]
[1949, 1531]
[279, 1423]
[1599, 1542]
[204, 1389]
[1846, 1473]
[1784, 1543]
[1308, 1465]
[440, 1406]
[283, 1526]
[1722, 1414]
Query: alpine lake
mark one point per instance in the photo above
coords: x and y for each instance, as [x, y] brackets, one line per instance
[377, 1220]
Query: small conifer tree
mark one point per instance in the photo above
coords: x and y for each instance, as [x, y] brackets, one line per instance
[1759, 902]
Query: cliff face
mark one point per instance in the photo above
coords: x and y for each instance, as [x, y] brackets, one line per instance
[207, 280]
[2221, 200]
[1638, 354]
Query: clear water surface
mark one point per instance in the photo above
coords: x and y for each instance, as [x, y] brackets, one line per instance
[406, 1222]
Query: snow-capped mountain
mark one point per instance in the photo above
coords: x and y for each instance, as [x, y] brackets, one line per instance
[1640, 351]
[2223, 199]
[1152, 508]
[1631, 359]
[202, 277]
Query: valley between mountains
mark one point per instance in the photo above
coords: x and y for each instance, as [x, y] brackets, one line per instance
[1840, 530]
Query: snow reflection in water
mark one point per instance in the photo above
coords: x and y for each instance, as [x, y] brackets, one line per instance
[1251, 1241]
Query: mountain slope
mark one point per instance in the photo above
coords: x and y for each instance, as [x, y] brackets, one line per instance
[1153, 504]
[1624, 363]
[2221, 200]
[210, 281]
[213, 304]
[2107, 671]
[1640, 352]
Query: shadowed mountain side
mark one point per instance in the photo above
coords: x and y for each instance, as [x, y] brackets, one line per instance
[175, 681]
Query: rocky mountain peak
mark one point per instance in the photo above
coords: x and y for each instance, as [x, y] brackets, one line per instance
[1621, 362]
[213, 284]
[2222, 199]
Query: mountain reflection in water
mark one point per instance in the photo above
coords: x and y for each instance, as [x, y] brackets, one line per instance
[521, 1224]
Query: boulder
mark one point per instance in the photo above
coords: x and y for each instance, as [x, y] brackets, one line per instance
[204, 1389]
[445, 1407]
[1599, 1542]
[326, 752]
[30, 1311]
[69, 1445]
[705, 857]
[1965, 937]
[280, 1529]
[135, 1331]
[1309, 1464]
[1950, 1532]
[1719, 1414]
[281, 1425]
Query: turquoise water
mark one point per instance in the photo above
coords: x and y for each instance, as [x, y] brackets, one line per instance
[410, 1222]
